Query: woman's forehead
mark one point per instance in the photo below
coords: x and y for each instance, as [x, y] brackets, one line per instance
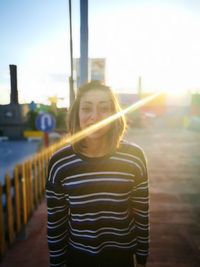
[96, 95]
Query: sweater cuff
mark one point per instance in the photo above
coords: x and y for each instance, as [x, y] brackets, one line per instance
[141, 259]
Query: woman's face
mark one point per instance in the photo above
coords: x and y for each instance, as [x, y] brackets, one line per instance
[95, 105]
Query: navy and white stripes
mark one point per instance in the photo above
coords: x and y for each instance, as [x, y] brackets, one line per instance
[95, 204]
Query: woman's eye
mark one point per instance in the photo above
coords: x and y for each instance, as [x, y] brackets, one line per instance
[86, 109]
[105, 109]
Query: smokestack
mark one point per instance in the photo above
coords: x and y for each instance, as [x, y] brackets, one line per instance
[13, 83]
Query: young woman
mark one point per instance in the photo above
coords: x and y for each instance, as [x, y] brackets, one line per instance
[97, 191]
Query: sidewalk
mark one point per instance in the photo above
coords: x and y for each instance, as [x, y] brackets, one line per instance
[174, 174]
[31, 251]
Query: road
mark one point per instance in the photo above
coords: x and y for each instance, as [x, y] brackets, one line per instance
[14, 152]
[174, 170]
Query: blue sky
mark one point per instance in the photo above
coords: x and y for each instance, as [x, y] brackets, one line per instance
[26, 23]
[158, 40]
[27, 28]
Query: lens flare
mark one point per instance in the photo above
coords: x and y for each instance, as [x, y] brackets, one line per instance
[93, 128]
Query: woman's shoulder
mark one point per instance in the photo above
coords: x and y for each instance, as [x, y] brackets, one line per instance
[124, 144]
[64, 151]
[131, 148]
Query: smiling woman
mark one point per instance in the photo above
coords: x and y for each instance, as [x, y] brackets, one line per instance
[97, 190]
[94, 103]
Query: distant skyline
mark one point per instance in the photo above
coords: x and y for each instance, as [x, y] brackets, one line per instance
[158, 40]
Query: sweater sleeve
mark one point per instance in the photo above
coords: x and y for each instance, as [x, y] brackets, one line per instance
[140, 206]
[57, 229]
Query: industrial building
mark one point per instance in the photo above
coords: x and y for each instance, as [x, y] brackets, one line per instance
[13, 116]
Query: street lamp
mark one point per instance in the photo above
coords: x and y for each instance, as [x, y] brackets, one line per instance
[71, 79]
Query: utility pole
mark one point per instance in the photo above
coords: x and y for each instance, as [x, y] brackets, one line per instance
[71, 78]
[84, 41]
[139, 87]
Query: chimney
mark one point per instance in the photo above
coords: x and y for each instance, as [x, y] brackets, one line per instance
[13, 83]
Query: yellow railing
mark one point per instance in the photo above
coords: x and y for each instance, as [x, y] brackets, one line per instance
[21, 194]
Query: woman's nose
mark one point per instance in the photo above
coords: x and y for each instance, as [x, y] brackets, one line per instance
[95, 115]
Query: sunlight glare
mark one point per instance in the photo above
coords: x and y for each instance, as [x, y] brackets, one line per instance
[93, 128]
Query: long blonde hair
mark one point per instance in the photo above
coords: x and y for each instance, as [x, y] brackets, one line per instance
[117, 127]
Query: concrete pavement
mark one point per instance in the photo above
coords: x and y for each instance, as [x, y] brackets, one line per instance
[174, 174]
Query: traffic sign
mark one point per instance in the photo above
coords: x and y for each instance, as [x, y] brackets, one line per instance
[45, 122]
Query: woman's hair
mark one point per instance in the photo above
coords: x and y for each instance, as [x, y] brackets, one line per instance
[118, 126]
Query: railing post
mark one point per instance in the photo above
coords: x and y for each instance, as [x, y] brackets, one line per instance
[24, 198]
[30, 178]
[43, 172]
[2, 223]
[27, 183]
[46, 165]
[35, 179]
[17, 199]
[9, 207]
[40, 176]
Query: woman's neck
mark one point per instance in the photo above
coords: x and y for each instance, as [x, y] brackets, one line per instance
[95, 147]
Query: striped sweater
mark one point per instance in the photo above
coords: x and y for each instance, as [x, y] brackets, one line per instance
[97, 203]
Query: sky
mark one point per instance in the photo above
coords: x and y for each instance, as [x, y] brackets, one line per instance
[157, 40]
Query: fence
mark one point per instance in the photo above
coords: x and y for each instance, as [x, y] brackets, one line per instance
[21, 194]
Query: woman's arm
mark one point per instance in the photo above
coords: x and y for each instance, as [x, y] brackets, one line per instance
[57, 230]
[140, 207]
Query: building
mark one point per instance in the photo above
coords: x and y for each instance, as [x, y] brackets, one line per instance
[13, 116]
[96, 70]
